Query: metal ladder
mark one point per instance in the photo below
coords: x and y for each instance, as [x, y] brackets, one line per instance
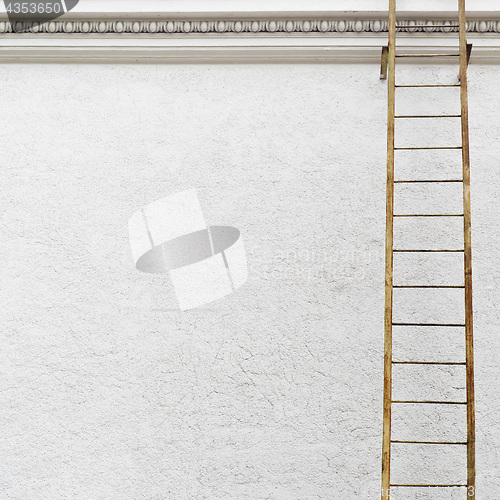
[468, 486]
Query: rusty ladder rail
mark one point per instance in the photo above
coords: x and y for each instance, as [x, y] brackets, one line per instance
[388, 68]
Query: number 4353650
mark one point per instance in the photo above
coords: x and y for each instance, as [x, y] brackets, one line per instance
[34, 8]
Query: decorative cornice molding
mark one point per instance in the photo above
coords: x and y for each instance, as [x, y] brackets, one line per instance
[241, 27]
[186, 39]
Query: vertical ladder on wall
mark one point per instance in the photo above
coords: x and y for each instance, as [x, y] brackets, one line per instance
[395, 488]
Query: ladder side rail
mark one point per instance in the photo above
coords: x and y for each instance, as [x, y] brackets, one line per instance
[389, 245]
[471, 439]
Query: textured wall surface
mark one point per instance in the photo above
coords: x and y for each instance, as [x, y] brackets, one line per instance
[108, 391]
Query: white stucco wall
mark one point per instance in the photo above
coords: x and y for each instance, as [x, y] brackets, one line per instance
[275, 392]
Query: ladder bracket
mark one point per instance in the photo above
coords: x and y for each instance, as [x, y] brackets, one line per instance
[469, 50]
[383, 63]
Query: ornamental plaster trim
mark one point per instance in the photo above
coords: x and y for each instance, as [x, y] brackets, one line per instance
[242, 27]
[167, 39]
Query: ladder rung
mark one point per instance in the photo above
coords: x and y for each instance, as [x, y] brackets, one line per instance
[431, 402]
[428, 485]
[428, 286]
[428, 116]
[428, 55]
[428, 85]
[441, 147]
[429, 324]
[429, 363]
[401, 250]
[430, 180]
[427, 215]
[427, 442]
